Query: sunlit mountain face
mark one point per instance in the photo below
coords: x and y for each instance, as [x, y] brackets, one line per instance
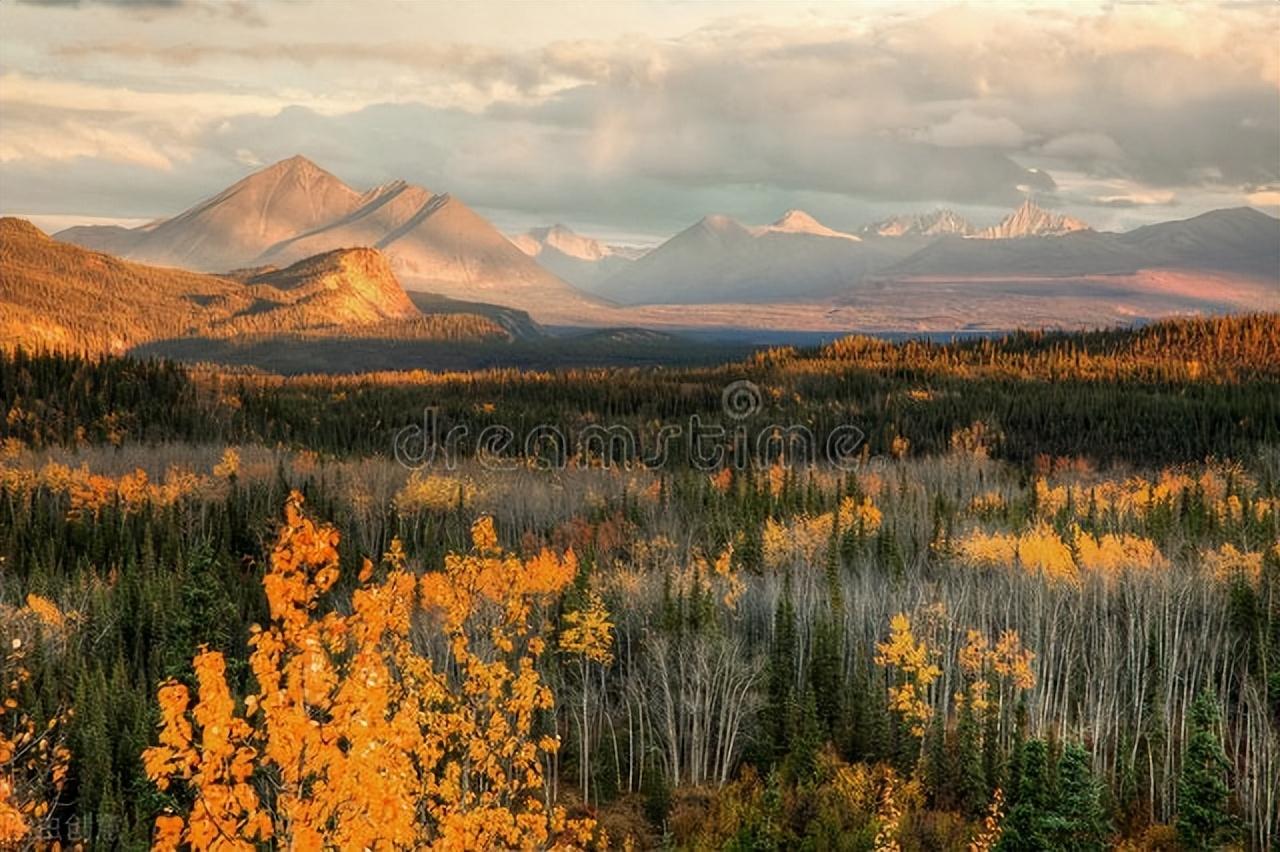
[554, 163]
[931, 271]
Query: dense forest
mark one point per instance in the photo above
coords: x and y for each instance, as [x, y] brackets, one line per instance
[1036, 606]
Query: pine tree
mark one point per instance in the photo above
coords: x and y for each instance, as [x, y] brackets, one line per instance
[1032, 825]
[781, 676]
[968, 773]
[935, 766]
[1204, 818]
[1079, 803]
[825, 675]
[805, 736]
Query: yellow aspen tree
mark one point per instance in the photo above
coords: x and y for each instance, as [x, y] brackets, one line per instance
[588, 635]
[917, 669]
[888, 816]
[354, 738]
[490, 787]
[992, 825]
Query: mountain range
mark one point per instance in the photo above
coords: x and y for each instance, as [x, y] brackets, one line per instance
[295, 209]
[582, 261]
[931, 271]
[934, 224]
[721, 260]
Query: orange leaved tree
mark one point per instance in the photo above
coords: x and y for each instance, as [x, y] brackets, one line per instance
[588, 634]
[355, 737]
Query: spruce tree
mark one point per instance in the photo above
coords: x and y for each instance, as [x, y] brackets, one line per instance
[1033, 824]
[805, 737]
[780, 686]
[1204, 819]
[968, 775]
[1079, 803]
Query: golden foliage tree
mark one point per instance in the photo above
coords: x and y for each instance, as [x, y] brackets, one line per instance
[588, 635]
[917, 669]
[355, 738]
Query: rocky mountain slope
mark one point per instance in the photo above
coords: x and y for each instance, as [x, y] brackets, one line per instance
[1031, 220]
[582, 261]
[935, 224]
[294, 209]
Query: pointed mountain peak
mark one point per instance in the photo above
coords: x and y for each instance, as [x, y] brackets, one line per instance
[719, 224]
[1032, 220]
[797, 218]
[297, 174]
[391, 186]
[563, 239]
[719, 221]
[934, 224]
[799, 222]
[397, 192]
[296, 163]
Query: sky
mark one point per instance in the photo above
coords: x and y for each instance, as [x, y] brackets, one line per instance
[632, 121]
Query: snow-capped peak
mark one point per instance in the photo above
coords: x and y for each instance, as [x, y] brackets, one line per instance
[1031, 220]
[934, 224]
[800, 222]
[562, 239]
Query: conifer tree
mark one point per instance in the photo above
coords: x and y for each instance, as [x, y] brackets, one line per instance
[1032, 824]
[781, 676]
[968, 775]
[1204, 818]
[1079, 802]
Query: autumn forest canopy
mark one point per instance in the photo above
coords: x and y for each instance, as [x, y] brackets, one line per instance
[1034, 605]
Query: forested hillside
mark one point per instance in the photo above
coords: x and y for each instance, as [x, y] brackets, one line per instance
[1038, 607]
[56, 296]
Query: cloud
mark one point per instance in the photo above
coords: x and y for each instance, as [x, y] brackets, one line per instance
[1085, 147]
[1088, 107]
[965, 129]
[1141, 199]
[71, 138]
[123, 4]
[242, 11]
[1264, 196]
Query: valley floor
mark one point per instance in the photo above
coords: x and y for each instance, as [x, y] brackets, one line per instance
[1035, 604]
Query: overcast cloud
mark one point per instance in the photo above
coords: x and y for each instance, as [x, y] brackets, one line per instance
[638, 119]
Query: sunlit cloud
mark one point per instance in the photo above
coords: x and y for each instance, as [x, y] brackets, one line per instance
[638, 116]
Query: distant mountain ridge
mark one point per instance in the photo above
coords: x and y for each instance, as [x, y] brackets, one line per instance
[561, 238]
[720, 260]
[933, 224]
[1028, 220]
[933, 270]
[582, 261]
[295, 209]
